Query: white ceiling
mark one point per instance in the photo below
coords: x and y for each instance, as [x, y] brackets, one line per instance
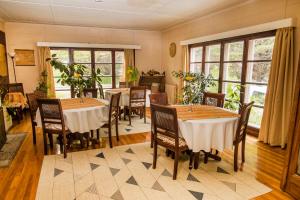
[129, 14]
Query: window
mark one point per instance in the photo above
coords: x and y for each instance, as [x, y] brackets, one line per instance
[110, 62]
[242, 62]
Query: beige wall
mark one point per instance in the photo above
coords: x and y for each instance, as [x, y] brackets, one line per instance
[252, 13]
[25, 36]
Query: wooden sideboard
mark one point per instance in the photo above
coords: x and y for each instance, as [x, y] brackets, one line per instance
[150, 78]
[2, 129]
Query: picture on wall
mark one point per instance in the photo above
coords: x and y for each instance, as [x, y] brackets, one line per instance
[24, 57]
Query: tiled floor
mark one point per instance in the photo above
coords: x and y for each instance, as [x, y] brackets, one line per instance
[125, 172]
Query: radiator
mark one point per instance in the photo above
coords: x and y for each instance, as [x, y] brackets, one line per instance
[171, 90]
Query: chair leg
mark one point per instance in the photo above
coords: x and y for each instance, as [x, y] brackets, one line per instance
[191, 160]
[65, 145]
[92, 134]
[33, 134]
[151, 144]
[117, 129]
[129, 115]
[154, 155]
[176, 164]
[243, 149]
[236, 153]
[51, 140]
[109, 135]
[45, 143]
[98, 134]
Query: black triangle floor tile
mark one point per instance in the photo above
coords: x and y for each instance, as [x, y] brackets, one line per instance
[197, 195]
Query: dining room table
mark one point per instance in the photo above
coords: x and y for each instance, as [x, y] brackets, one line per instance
[125, 95]
[82, 115]
[205, 127]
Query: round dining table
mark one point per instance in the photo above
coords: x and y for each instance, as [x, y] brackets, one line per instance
[81, 115]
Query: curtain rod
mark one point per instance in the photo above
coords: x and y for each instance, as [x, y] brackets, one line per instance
[289, 22]
[88, 45]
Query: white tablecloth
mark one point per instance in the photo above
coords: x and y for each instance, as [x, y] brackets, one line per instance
[83, 119]
[125, 92]
[207, 134]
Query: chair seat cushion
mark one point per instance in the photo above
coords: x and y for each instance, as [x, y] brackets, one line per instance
[55, 127]
[171, 141]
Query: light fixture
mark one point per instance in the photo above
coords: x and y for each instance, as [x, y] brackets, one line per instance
[12, 56]
[99, 1]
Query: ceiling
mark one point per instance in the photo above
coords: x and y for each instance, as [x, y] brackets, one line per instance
[129, 14]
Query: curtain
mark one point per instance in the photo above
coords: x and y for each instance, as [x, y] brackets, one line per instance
[129, 61]
[43, 54]
[281, 88]
[185, 66]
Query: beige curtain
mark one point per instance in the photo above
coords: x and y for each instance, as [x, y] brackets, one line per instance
[281, 88]
[185, 66]
[129, 61]
[43, 54]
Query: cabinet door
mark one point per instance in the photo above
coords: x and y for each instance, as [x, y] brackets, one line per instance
[293, 174]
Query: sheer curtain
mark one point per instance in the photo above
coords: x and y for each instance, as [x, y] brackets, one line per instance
[281, 90]
[43, 54]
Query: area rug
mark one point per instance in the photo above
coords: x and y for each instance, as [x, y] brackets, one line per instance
[10, 148]
[125, 172]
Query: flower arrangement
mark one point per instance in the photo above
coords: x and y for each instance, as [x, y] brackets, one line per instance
[73, 75]
[132, 74]
[194, 86]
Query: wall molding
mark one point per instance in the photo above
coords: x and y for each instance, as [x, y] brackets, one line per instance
[289, 22]
[88, 45]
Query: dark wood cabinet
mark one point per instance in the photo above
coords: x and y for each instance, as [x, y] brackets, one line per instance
[2, 129]
[148, 79]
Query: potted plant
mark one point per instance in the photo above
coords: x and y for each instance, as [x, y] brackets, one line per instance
[233, 97]
[194, 86]
[73, 75]
[42, 85]
[132, 75]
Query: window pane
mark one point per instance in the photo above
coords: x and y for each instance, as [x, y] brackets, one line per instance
[119, 57]
[234, 51]
[62, 55]
[232, 71]
[258, 72]
[82, 56]
[118, 79]
[256, 93]
[196, 67]
[212, 69]
[120, 70]
[213, 88]
[196, 54]
[106, 69]
[103, 57]
[58, 86]
[106, 81]
[261, 49]
[63, 94]
[213, 52]
[255, 116]
[88, 69]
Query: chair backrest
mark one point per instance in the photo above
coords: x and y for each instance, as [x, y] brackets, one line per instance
[159, 98]
[90, 92]
[51, 112]
[213, 99]
[32, 102]
[137, 95]
[243, 121]
[101, 93]
[122, 84]
[114, 106]
[165, 121]
[16, 87]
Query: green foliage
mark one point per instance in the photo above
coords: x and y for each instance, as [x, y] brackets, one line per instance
[194, 87]
[73, 75]
[233, 97]
[132, 74]
[42, 85]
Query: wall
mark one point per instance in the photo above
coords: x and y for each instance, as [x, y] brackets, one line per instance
[250, 13]
[25, 36]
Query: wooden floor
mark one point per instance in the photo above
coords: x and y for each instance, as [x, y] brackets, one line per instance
[20, 179]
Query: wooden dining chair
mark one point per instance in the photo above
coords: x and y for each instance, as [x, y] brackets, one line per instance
[137, 102]
[90, 92]
[33, 106]
[240, 135]
[157, 98]
[101, 92]
[113, 117]
[213, 99]
[16, 87]
[122, 84]
[166, 133]
[53, 122]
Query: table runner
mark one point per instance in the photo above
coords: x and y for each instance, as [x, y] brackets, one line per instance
[75, 103]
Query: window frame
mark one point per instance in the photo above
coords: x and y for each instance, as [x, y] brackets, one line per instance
[245, 38]
[93, 63]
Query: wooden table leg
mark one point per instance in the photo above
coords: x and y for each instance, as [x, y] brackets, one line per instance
[196, 160]
[211, 155]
